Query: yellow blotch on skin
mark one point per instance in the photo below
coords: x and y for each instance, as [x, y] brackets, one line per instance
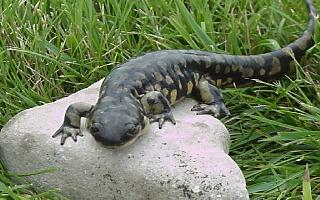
[205, 94]
[235, 67]
[213, 82]
[219, 82]
[165, 91]
[246, 72]
[145, 105]
[179, 85]
[227, 70]
[173, 96]
[158, 76]
[150, 88]
[196, 77]
[189, 87]
[157, 87]
[209, 79]
[288, 51]
[227, 81]
[217, 69]
[276, 67]
[262, 72]
[169, 80]
[259, 60]
[177, 70]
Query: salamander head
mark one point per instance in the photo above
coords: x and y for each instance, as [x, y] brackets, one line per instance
[116, 125]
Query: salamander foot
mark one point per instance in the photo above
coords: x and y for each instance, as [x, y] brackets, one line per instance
[161, 118]
[214, 109]
[65, 132]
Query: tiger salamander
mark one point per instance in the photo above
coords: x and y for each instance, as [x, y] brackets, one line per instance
[142, 90]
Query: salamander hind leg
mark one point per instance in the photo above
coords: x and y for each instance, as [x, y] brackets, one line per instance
[71, 123]
[157, 107]
[211, 100]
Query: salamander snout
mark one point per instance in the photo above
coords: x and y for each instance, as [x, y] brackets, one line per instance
[114, 133]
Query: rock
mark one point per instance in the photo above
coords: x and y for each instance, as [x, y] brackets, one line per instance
[186, 161]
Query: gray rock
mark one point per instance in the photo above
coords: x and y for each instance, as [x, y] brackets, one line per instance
[186, 161]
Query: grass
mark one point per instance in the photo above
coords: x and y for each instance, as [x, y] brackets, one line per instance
[49, 49]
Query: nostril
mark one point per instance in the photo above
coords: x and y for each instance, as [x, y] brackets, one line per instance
[94, 128]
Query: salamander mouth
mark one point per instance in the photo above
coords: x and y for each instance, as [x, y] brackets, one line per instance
[110, 139]
[128, 143]
[113, 139]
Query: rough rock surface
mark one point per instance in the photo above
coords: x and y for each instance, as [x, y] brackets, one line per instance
[186, 161]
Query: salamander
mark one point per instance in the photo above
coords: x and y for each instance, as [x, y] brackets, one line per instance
[143, 89]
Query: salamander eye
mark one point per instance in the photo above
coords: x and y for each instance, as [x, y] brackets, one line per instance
[132, 131]
[95, 127]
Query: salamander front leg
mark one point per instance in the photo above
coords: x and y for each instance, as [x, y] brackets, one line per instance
[71, 123]
[157, 107]
[211, 100]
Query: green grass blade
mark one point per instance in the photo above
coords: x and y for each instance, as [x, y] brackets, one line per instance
[204, 38]
[306, 188]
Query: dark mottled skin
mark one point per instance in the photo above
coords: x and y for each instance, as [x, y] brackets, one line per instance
[146, 86]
